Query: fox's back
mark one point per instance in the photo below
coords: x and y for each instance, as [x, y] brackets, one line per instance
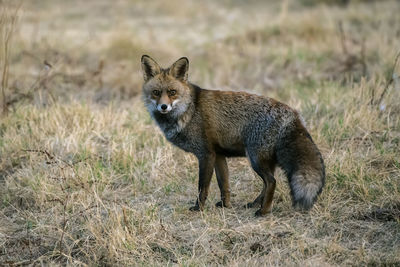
[235, 120]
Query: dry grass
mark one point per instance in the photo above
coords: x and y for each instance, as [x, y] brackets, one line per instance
[86, 178]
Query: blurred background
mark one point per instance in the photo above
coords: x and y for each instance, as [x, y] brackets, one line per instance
[91, 49]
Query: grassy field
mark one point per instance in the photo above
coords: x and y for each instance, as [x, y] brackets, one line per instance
[86, 178]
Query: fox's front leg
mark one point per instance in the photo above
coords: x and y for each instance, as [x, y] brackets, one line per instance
[221, 170]
[206, 169]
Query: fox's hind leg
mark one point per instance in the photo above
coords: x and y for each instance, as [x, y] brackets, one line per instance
[222, 173]
[265, 169]
[270, 184]
[257, 201]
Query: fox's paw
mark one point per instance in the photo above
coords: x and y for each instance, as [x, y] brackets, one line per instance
[220, 204]
[195, 208]
[259, 213]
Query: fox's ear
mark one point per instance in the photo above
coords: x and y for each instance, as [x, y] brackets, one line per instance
[180, 69]
[150, 67]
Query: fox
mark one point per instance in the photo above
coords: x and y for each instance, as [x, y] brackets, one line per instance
[215, 125]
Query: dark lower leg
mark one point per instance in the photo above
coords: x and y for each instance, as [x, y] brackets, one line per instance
[264, 168]
[221, 170]
[266, 204]
[206, 168]
[258, 200]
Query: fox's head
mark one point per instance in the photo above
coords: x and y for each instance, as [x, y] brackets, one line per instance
[166, 91]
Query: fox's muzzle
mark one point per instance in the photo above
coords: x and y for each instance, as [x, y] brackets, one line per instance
[164, 108]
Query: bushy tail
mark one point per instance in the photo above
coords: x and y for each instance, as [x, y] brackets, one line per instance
[300, 158]
[305, 187]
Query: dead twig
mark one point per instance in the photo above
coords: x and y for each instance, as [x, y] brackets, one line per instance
[362, 58]
[342, 38]
[7, 27]
[389, 80]
[99, 73]
[45, 152]
[351, 61]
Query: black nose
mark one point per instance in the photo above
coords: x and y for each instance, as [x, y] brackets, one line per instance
[164, 107]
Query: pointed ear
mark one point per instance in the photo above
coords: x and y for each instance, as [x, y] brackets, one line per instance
[180, 68]
[150, 67]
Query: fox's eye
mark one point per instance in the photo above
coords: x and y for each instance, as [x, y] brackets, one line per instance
[172, 92]
[156, 92]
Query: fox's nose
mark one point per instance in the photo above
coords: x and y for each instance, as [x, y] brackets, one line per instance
[164, 107]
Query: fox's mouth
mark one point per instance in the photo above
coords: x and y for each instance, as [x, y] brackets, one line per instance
[164, 108]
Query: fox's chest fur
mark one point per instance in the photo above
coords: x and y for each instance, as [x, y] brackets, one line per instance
[185, 131]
